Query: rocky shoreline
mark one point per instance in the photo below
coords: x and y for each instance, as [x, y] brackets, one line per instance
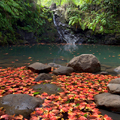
[24, 104]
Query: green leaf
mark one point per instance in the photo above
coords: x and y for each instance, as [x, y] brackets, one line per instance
[67, 101]
[85, 115]
[39, 88]
[36, 93]
[58, 89]
[77, 104]
[101, 28]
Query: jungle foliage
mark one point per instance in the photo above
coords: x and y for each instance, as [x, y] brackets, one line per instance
[102, 16]
[21, 15]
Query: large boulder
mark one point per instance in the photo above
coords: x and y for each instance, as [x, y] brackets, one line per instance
[108, 100]
[39, 67]
[85, 63]
[63, 70]
[114, 86]
[22, 104]
[48, 88]
[43, 76]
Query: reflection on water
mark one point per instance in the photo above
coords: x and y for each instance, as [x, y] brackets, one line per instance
[14, 56]
[70, 47]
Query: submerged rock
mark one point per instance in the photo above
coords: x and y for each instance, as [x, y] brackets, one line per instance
[22, 104]
[85, 63]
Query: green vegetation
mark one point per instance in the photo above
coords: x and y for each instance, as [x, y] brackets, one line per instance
[102, 16]
[36, 93]
[23, 15]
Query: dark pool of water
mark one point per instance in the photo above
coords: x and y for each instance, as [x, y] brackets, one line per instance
[15, 56]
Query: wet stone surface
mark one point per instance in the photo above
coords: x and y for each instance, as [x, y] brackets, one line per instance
[22, 104]
[48, 88]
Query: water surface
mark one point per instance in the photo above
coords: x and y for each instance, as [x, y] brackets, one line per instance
[23, 55]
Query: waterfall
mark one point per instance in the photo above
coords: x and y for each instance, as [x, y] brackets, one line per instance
[55, 23]
[66, 35]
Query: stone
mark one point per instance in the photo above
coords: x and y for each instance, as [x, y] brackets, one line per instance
[48, 88]
[117, 69]
[114, 86]
[104, 73]
[39, 67]
[89, 34]
[117, 36]
[108, 101]
[111, 71]
[53, 6]
[85, 63]
[22, 104]
[43, 76]
[54, 65]
[63, 70]
[115, 81]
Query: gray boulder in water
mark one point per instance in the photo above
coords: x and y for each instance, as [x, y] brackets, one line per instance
[85, 63]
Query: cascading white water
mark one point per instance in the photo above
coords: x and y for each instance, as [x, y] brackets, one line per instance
[66, 36]
[57, 27]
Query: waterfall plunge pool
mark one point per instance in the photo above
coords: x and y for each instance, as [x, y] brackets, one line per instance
[23, 55]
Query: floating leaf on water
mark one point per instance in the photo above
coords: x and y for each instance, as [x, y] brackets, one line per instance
[29, 57]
